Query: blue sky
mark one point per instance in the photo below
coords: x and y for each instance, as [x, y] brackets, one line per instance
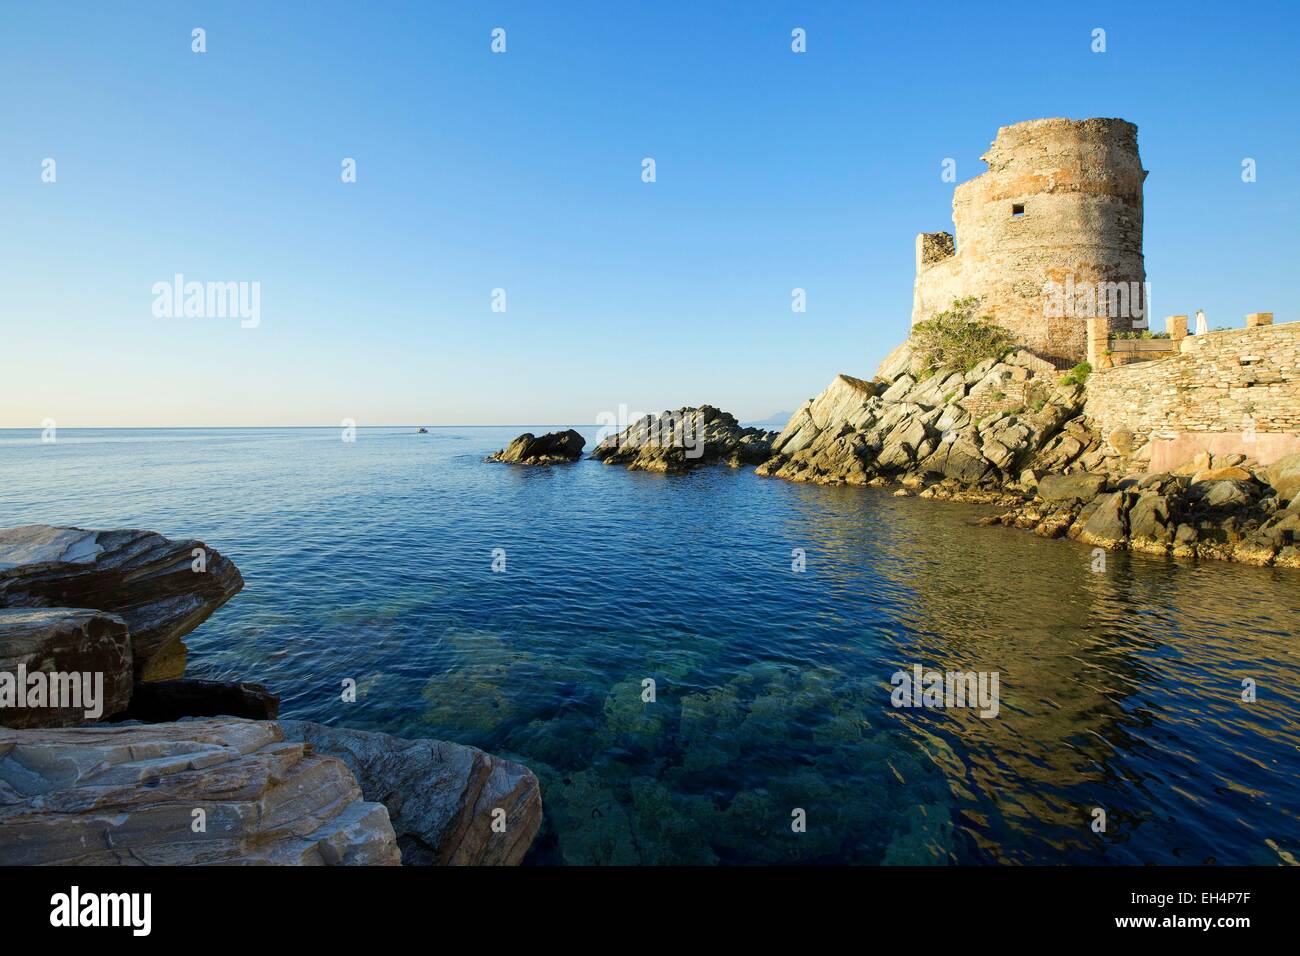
[522, 171]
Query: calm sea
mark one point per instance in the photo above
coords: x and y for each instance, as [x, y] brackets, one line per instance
[373, 560]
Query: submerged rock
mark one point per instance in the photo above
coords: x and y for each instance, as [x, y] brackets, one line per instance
[162, 589]
[529, 449]
[442, 798]
[195, 792]
[69, 643]
[678, 441]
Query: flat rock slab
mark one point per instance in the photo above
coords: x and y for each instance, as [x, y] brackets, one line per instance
[79, 660]
[162, 589]
[128, 794]
[442, 797]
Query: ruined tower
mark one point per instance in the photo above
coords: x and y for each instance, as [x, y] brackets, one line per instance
[1050, 231]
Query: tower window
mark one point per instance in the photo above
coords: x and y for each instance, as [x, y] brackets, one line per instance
[1017, 209]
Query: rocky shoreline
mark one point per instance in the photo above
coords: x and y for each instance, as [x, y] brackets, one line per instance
[1009, 432]
[1013, 433]
[147, 767]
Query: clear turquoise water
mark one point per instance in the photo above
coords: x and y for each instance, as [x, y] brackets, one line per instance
[372, 561]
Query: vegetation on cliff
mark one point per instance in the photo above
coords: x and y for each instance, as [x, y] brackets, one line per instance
[957, 338]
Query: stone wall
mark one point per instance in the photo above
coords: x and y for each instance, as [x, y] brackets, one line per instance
[1061, 203]
[1236, 391]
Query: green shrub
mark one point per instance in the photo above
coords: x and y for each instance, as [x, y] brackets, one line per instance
[1147, 334]
[1077, 375]
[956, 338]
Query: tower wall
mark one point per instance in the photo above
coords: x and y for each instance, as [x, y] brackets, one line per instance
[1050, 230]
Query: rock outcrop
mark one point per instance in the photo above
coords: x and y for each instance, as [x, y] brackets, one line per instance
[678, 441]
[1013, 432]
[529, 449]
[443, 798]
[195, 792]
[998, 425]
[162, 589]
[1284, 477]
[1211, 514]
[54, 652]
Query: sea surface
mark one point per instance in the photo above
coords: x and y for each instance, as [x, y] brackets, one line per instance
[1120, 690]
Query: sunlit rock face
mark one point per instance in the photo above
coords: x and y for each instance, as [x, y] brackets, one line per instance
[983, 427]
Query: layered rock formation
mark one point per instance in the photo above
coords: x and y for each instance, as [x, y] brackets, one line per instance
[44, 646]
[678, 441]
[1001, 424]
[162, 589]
[529, 449]
[194, 792]
[443, 798]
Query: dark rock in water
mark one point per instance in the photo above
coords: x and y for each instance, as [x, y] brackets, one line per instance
[422, 430]
[528, 449]
[1105, 527]
[162, 589]
[158, 701]
[1149, 519]
[1080, 486]
[678, 441]
[63, 644]
[1222, 519]
[443, 798]
[131, 794]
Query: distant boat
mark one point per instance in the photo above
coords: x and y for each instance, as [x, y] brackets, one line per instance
[422, 430]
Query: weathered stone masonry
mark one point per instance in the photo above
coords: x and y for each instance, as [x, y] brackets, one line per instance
[1061, 203]
[1223, 392]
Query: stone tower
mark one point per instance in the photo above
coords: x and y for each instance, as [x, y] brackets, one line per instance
[1048, 237]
